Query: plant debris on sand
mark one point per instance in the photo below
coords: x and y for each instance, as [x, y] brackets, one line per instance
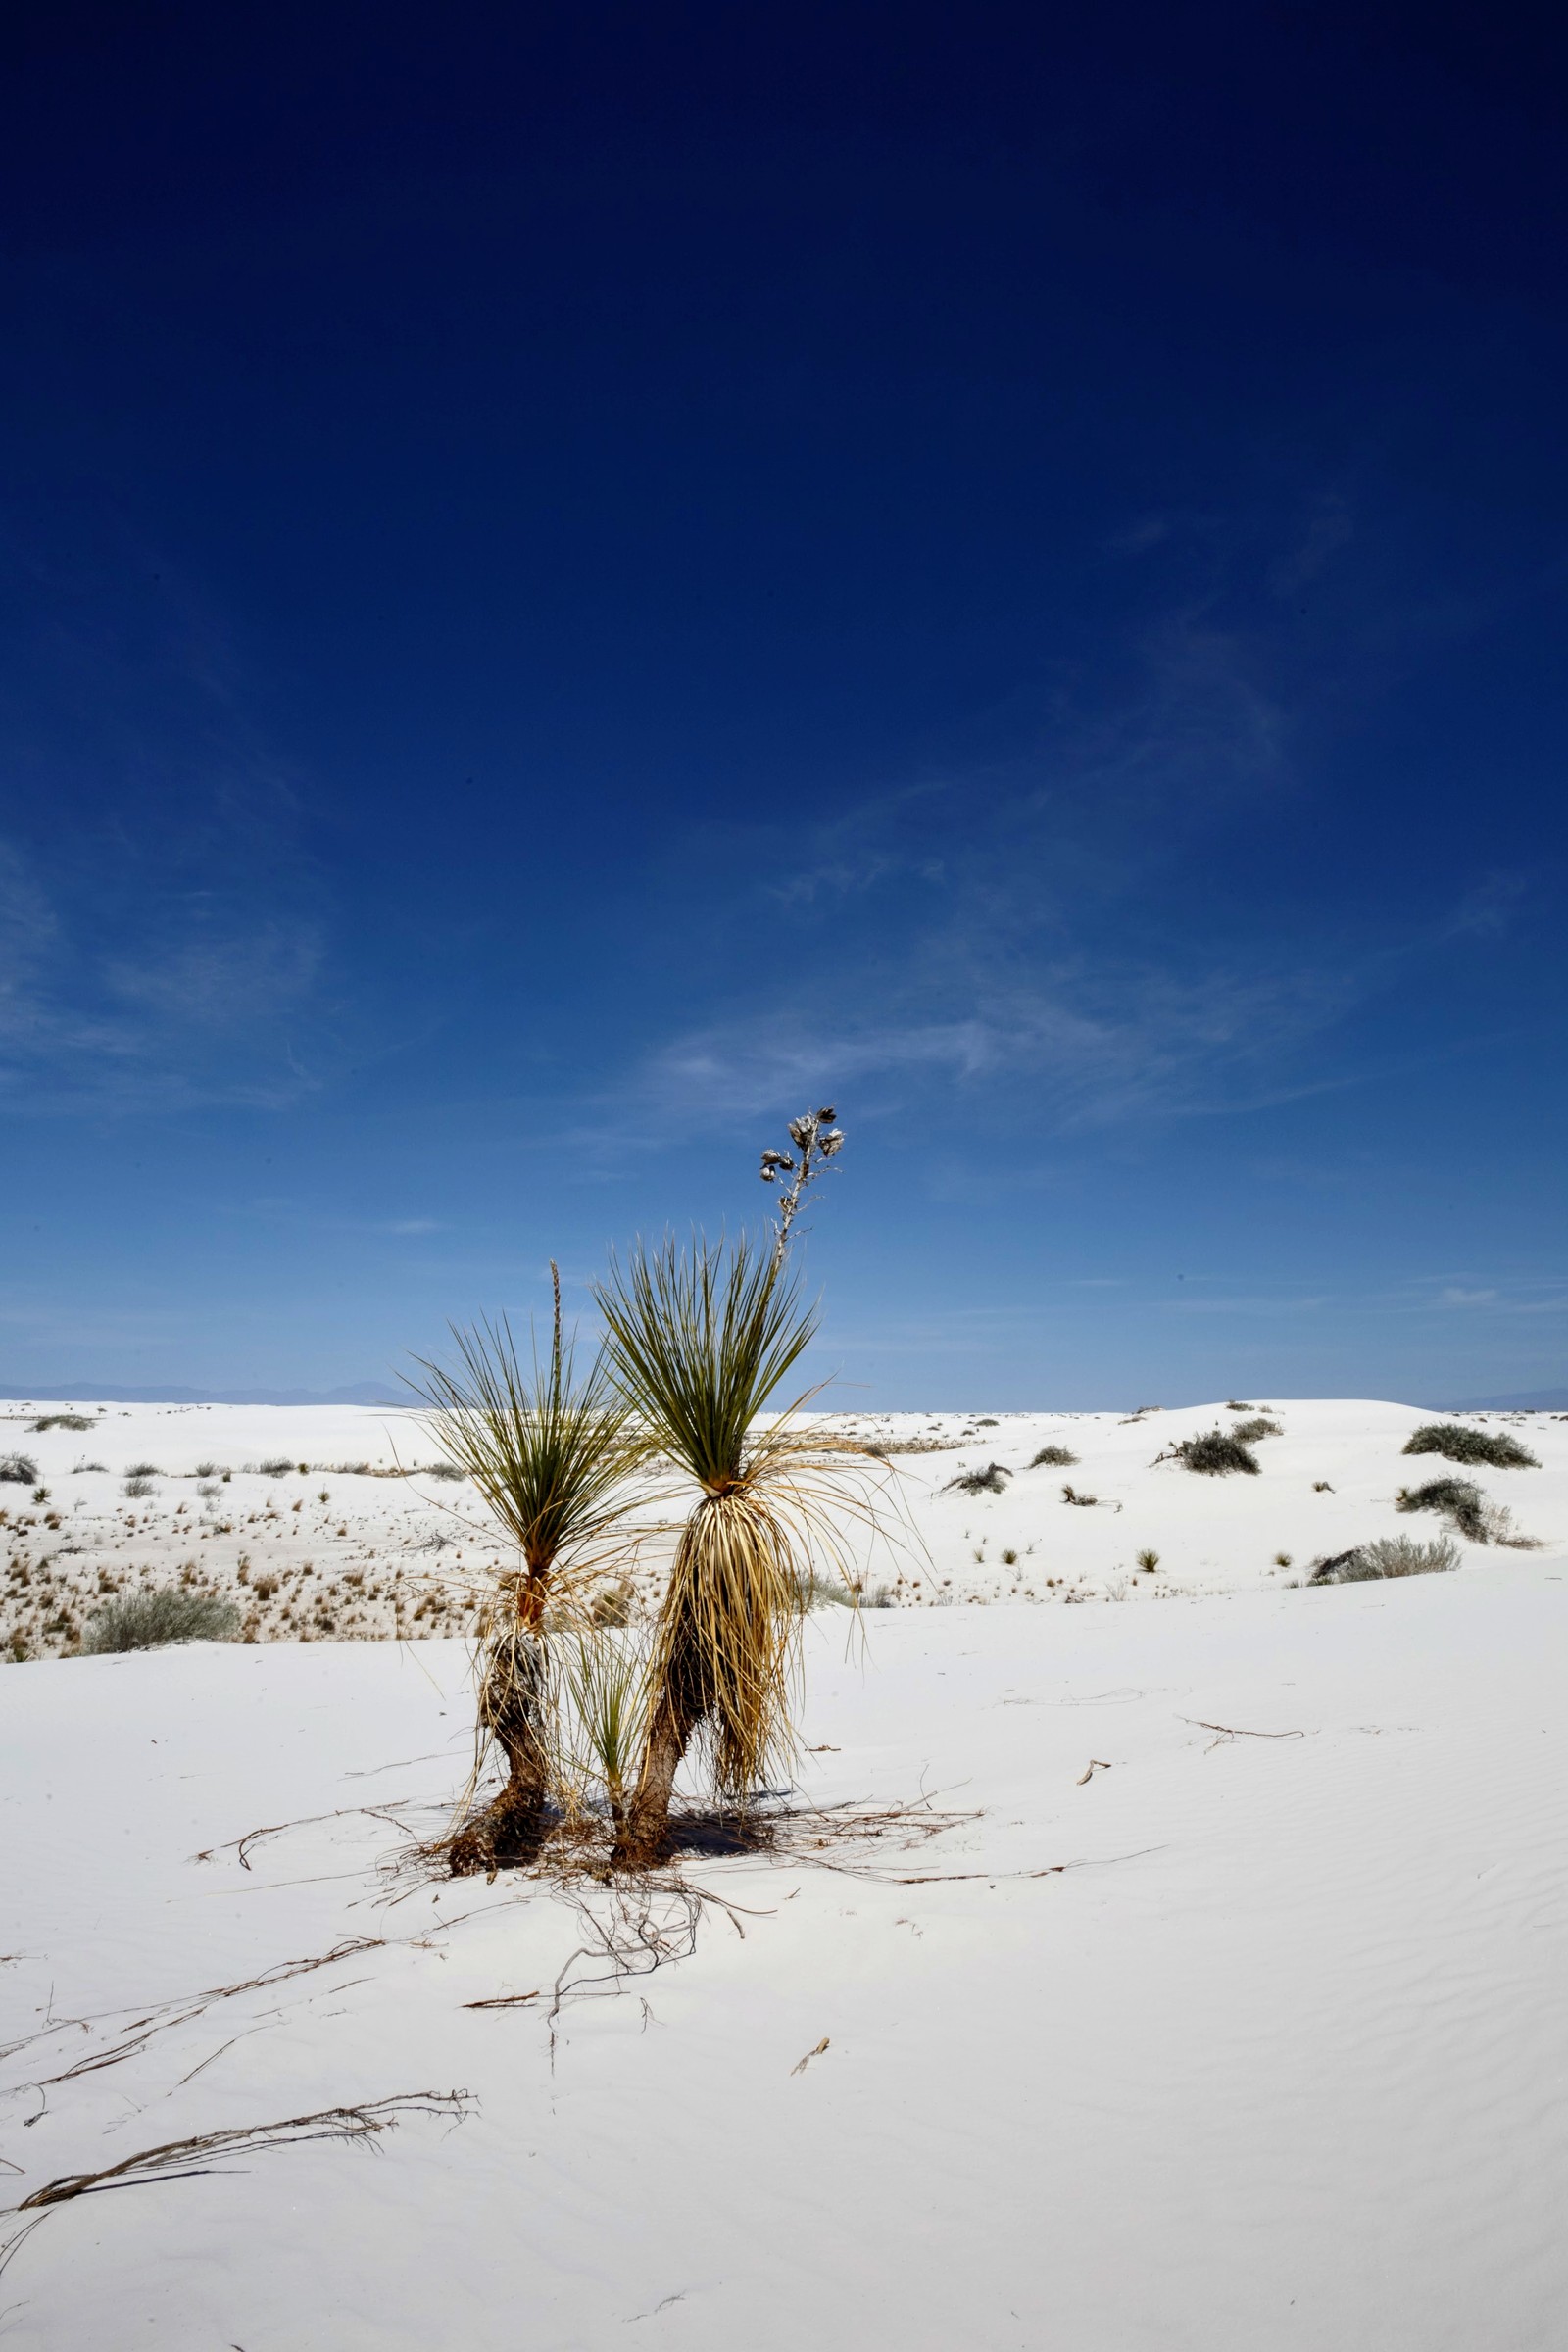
[1494, 1449]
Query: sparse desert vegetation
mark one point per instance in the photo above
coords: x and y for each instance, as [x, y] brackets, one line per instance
[1388, 1556]
[152, 1619]
[1493, 1449]
[1217, 1453]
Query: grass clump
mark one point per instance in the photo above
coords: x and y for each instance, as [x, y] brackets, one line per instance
[1458, 1499]
[152, 1620]
[1495, 1449]
[1215, 1454]
[1390, 1555]
[63, 1421]
[1054, 1457]
[1250, 1433]
[278, 1468]
[19, 1470]
[136, 1486]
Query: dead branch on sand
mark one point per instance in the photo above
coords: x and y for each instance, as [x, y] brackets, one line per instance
[209, 2151]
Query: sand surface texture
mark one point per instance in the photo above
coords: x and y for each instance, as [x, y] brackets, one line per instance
[1272, 2055]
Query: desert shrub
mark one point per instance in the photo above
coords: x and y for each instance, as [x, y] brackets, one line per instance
[447, 1470]
[278, 1468]
[82, 1467]
[1249, 1433]
[1217, 1454]
[981, 1482]
[1054, 1457]
[1456, 1443]
[1457, 1498]
[1149, 1561]
[62, 1421]
[19, 1470]
[144, 1470]
[1390, 1555]
[136, 1486]
[151, 1620]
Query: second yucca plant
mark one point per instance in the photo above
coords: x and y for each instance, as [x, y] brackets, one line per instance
[550, 1452]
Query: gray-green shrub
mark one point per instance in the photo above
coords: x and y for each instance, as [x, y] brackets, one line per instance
[1054, 1457]
[1457, 1498]
[1217, 1454]
[151, 1620]
[981, 1482]
[1249, 1433]
[1492, 1448]
[1390, 1555]
[19, 1470]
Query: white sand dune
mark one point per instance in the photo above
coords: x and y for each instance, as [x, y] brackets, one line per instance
[343, 1553]
[1276, 2060]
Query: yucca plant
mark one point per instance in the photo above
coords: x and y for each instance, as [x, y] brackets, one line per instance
[552, 1454]
[698, 1341]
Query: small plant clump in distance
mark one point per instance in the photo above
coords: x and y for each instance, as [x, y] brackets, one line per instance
[278, 1468]
[1149, 1561]
[1054, 1457]
[1493, 1448]
[1390, 1555]
[62, 1421]
[153, 1619]
[1215, 1454]
[136, 1486]
[1457, 1498]
[1250, 1433]
[981, 1482]
[19, 1470]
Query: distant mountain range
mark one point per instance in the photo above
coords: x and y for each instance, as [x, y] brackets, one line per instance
[1528, 1401]
[359, 1392]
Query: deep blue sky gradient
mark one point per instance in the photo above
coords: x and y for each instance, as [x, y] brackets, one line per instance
[578, 577]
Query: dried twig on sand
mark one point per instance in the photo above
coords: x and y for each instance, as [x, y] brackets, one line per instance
[209, 2151]
[1234, 1731]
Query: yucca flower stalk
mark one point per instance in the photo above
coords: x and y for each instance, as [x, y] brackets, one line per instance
[696, 1341]
[552, 1454]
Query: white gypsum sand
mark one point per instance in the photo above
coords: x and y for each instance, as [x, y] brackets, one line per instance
[385, 1555]
[1274, 2060]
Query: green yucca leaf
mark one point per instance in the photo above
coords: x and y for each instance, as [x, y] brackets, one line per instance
[696, 1341]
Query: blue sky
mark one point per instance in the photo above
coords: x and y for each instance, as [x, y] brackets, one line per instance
[575, 579]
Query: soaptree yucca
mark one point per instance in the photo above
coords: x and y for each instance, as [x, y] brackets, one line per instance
[698, 1340]
[551, 1452]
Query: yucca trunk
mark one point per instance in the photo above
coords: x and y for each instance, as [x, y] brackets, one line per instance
[720, 1661]
[511, 1692]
